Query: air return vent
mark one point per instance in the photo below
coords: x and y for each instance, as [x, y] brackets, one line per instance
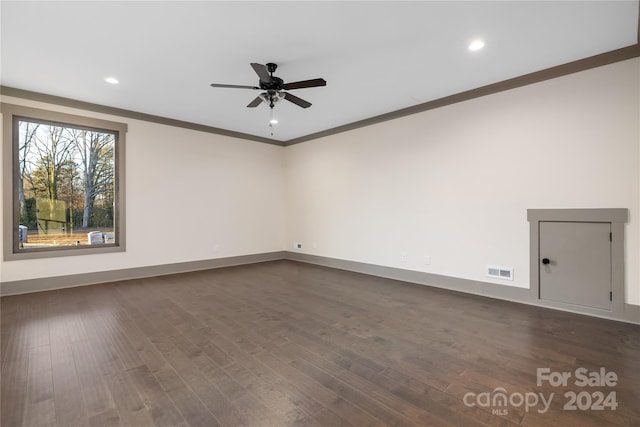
[496, 272]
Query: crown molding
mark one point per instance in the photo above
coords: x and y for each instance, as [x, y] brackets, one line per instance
[600, 60]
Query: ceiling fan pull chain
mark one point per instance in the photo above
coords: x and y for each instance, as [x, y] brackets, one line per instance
[272, 121]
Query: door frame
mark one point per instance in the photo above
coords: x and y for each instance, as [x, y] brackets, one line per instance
[617, 217]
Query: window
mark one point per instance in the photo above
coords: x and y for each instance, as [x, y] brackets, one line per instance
[63, 184]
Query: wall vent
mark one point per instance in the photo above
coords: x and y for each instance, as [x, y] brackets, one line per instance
[505, 273]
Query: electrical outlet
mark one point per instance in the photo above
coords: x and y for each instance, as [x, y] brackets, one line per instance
[403, 257]
[427, 260]
[297, 245]
[216, 248]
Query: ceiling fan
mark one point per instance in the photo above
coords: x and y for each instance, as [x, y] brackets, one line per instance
[274, 87]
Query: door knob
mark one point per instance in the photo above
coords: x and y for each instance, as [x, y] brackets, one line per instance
[546, 261]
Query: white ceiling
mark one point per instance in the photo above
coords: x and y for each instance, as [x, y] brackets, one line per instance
[377, 57]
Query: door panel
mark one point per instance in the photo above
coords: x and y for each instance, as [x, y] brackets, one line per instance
[579, 263]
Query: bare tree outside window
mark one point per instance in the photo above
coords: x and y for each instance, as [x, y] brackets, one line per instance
[66, 185]
[28, 132]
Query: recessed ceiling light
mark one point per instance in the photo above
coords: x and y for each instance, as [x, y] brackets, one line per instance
[273, 121]
[476, 45]
[111, 80]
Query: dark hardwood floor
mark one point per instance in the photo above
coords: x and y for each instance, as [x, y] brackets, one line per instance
[290, 344]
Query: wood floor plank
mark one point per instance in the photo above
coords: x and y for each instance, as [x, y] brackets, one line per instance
[284, 343]
[344, 410]
[14, 381]
[356, 396]
[192, 404]
[128, 402]
[108, 418]
[323, 418]
[39, 409]
[95, 392]
[162, 409]
[26, 331]
[178, 353]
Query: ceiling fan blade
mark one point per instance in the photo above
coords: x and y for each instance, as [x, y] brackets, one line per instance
[262, 72]
[255, 102]
[298, 101]
[233, 86]
[305, 83]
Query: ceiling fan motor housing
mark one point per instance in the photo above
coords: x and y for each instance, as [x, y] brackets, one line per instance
[276, 83]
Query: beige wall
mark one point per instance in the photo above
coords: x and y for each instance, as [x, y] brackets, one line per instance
[455, 183]
[189, 195]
